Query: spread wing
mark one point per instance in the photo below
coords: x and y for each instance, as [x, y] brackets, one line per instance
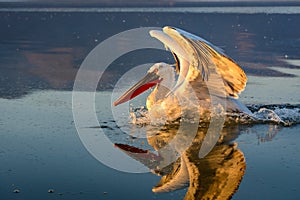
[204, 60]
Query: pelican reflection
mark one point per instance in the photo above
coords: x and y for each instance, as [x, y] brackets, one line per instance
[215, 176]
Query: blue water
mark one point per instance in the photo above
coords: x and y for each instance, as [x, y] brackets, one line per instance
[41, 51]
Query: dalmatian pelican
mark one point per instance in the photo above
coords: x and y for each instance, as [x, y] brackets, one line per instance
[203, 71]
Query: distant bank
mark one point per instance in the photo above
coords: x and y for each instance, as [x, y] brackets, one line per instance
[145, 3]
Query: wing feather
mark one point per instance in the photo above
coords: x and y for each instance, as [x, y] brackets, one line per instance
[207, 59]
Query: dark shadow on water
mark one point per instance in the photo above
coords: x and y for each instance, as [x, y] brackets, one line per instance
[43, 50]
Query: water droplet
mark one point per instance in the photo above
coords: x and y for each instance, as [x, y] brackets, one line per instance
[51, 191]
[17, 191]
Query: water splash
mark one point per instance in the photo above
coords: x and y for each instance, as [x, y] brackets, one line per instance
[139, 116]
[283, 114]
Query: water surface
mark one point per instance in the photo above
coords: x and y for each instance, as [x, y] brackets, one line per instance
[41, 51]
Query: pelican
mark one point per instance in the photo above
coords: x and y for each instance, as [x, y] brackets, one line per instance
[204, 72]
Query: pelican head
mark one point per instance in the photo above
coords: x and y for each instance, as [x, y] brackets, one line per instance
[161, 75]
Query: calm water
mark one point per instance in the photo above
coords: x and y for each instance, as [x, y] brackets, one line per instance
[41, 51]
